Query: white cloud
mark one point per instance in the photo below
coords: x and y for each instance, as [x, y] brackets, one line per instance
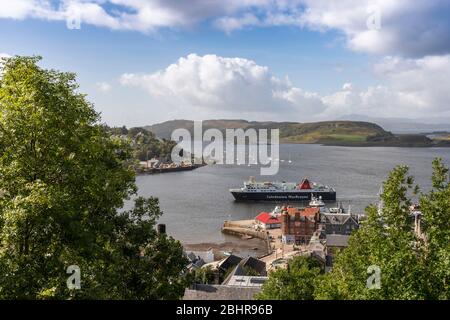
[412, 88]
[139, 15]
[347, 87]
[229, 24]
[233, 85]
[103, 86]
[408, 28]
[413, 44]
[215, 85]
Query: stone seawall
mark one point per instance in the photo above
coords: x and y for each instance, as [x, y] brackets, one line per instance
[246, 228]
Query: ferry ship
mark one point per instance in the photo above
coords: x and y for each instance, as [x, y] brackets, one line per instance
[282, 191]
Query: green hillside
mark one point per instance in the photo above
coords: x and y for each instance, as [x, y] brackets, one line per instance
[330, 132]
[344, 133]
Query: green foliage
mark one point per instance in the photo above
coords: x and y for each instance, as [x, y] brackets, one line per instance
[297, 282]
[145, 145]
[412, 266]
[249, 271]
[63, 180]
[435, 207]
[204, 275]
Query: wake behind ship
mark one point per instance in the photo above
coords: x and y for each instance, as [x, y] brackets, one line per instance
[282, 191]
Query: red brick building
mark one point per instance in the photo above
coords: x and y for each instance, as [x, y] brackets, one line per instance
[299, 224]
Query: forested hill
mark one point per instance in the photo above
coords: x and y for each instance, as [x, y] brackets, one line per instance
[348, 133]
[144, 143]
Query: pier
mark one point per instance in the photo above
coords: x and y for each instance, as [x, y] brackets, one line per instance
[277, 252]
[247, 228]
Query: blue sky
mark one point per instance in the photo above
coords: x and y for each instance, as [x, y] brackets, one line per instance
[264, 61]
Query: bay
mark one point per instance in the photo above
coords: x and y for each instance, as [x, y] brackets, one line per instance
[195, 203]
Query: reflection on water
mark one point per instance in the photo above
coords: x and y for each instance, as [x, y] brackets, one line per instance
[195, 203]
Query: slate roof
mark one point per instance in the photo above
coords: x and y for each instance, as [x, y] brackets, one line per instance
[256, 264]
[338, 218]
[337, 240]
[249, 262]
[229, 262]
[219, 292]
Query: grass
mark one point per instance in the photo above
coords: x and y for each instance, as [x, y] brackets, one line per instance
[318, 137]
[347, 137]
[444, 138]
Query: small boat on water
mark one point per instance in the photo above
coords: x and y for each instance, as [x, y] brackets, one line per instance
[316, 202]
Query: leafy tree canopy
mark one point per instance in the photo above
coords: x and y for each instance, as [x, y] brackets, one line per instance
[413, 258]
[294, 283]
[414, 263]
[63, 182]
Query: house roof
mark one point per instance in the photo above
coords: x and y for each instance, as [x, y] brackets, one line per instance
[220, 292]
[229, 262]
[267, 218]
[247, 281]
[249, 262]
[309, 211]
[256, 264]
[339, 218]
[337, 240]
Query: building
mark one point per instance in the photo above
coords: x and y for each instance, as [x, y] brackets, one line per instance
[227, 263]
[245, 280]
[247, 267]
[223, 292]
[334, 244]
[339, 223]
[299, 224]
[268, 221]
[199, 258]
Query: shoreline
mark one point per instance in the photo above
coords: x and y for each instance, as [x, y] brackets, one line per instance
[241, 247]
[368, 145]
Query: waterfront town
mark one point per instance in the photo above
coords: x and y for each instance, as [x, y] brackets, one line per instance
[155, 165]
[255, 152]
[314, 230]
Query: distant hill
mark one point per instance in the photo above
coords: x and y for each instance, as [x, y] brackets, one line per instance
[403, 125]
[346, 133]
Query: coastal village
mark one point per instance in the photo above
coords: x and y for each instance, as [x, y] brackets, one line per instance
[314, 230]
[156, 165]
[287, 231]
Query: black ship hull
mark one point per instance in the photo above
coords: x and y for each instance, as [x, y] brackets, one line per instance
[282, 196]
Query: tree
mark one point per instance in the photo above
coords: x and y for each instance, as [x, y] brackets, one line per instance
[435, 208]
[204, 275]
[63, 182]
[412, 266]
[294, 283]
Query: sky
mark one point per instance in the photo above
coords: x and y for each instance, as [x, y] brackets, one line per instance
[146, 61]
